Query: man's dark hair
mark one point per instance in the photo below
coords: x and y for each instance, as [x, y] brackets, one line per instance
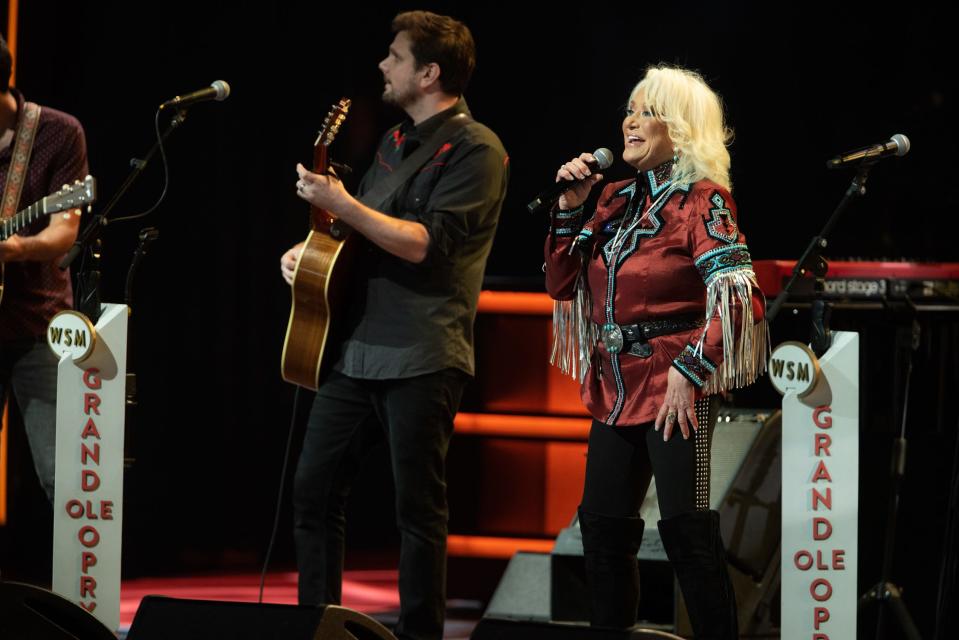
[443, 40]
[6, 65]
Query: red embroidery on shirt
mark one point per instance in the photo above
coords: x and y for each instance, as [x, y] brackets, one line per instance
[383, 163]
[431, 165]
[443, 149]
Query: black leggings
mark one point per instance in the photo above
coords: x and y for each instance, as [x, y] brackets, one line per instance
[622, 460]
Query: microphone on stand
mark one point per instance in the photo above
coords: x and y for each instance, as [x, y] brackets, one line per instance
[898, 145]
[218, 91]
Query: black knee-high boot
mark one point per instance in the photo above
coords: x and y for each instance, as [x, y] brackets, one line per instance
[695, 549]
[610, 546]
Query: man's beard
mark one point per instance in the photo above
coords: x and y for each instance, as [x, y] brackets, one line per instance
[398, 98]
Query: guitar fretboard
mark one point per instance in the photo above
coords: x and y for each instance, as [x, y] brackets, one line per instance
[22, 219]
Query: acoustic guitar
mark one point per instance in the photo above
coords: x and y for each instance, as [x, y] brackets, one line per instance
[319, 281]
[71, 196]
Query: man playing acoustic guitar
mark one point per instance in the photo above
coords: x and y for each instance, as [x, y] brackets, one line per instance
[40, 151]
[427, 208]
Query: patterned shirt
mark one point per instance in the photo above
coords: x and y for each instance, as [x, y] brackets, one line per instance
[36, 291]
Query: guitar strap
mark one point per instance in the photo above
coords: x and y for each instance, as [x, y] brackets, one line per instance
[376, 197]
[22, 148]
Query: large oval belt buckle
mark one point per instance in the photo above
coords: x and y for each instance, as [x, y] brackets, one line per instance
[612, 337]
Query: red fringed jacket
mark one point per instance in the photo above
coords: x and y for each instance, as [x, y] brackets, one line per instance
[679, 254]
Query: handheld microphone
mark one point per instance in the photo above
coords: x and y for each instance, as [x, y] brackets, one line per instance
[898, 145]
[604, 159]
[218, 91]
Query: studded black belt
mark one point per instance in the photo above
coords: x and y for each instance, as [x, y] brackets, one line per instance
[633, 338]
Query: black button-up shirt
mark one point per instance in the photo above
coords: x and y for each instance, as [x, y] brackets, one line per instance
[411, 319]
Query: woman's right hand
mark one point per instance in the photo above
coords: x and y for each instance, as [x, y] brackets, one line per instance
[577, 169]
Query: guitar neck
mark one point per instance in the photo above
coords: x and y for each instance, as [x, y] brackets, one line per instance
[22, 219]
[321, 220]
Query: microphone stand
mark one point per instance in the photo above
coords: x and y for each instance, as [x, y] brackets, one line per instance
[812, 261]
[89, 301]
[885, 592]
[146, 236]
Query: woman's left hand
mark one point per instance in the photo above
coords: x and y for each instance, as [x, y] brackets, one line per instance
[678, 405]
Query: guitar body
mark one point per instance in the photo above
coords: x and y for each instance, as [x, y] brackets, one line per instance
[319, 282]
[319, 294]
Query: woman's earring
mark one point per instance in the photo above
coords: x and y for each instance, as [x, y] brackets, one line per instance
[675, 155]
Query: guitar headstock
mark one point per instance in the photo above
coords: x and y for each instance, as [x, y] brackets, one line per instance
[71, 196]
[331, 125]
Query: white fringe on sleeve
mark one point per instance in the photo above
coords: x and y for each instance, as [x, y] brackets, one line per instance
[574, 333]
[746, 345]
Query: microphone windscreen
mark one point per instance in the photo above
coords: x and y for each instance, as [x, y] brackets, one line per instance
[902, 144]
[222, 90]
[604, 157]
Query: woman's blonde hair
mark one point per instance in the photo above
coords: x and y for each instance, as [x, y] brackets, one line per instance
[693, 115]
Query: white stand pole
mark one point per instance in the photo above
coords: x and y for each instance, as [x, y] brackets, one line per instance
[820, 493]
[88, 502]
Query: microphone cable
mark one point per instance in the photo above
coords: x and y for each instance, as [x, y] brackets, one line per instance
[279, 496]
[166, 174]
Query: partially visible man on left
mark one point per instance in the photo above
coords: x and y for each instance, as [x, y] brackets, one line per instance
[35, 288]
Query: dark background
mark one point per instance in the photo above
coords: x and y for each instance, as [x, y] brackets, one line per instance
[802, 82]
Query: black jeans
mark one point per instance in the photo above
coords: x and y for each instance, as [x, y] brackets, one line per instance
[621, 461]
[415, 415]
